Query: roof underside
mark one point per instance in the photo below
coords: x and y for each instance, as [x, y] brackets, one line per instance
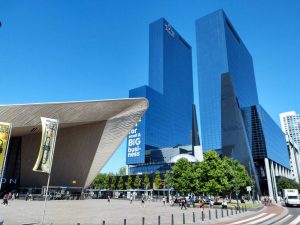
[26, 118]
[120, 116]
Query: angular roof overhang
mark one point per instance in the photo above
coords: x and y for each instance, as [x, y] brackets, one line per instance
[120, 115]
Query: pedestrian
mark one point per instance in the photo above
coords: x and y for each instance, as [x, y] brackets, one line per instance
[131, 198]
[164, 200]
[13, 196]
[143, 200]
[5, 200]
[201, 204]
[108, 199]
[27, 196]
[211, 203]
[191, 201]
[171, 202]
[183, 203]
[30, 198]
[269, 200]
[17, 195]
[224, 203]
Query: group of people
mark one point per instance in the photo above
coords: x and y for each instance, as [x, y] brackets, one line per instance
[9, 196]
[28, 197]
[267, 200]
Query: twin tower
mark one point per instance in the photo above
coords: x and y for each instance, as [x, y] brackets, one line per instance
[232, 121]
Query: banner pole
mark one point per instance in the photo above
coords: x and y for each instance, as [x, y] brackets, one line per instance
[49, 176]
[4, 162]
[45, 202]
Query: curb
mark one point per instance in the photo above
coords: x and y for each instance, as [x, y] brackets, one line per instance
[279, 217]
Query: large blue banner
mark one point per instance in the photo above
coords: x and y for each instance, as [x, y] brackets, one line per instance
[136, 144]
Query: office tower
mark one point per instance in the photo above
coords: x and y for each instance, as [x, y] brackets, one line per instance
[166, 129]
[232, 120]
[290, 125]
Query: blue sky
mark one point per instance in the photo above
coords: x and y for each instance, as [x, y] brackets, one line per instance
[52, 51]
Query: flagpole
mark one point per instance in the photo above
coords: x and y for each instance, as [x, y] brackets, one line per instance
[45, 202]
[6, 150]
[49, 176]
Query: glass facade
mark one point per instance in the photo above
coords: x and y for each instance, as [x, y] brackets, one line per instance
[267, 139]
[168, 121]
[219, 51]
[232, 121]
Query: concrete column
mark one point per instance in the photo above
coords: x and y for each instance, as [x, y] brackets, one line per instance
[274, 183]
[276, 170]
[269, 179]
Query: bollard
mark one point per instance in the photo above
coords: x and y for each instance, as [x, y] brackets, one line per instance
[172, 220]
[227, 212]
[216, 214]
[246, 208]
[222, 213]
[143, 221]
[183, 218]
[239, 209]
[103, 223]
[209, 215]
[194, 217]
[231, 211]
[235, 209]
[124, 221]
[158, 220]
[202, 216]
[243, 210]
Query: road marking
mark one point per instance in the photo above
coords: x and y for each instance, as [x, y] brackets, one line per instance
[262, 219]
[283, 219]
[252, 218]
[295, 221]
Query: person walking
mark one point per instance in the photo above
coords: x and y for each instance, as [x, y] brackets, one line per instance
[211, 203]
[143, 200]
[224, 203]
[131, 198]
[5, 200]
[183, 203]
[164, 200]
[108, 199]
[201, 204]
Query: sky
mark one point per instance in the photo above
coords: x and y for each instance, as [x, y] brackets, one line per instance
[55, 51]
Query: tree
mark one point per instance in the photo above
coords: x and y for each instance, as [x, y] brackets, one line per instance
[106, 179]
[184, 176]
[128, 182]
[146, 182]
[237, 176]
[157, 180]
[121, 183]
[137, 181]
[97, 181]
[168, 179]
[285, 183]
[122, 171]
[113, 182]
[210, 174]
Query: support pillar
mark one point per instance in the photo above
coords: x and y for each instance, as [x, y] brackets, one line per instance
[274, 183]
[269, 179]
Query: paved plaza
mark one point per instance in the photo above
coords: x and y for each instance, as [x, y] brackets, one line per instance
[90, 212]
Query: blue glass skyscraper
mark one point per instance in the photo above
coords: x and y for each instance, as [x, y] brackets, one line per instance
[168, 121]
[232, 121]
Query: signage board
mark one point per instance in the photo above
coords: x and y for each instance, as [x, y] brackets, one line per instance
[136, 144]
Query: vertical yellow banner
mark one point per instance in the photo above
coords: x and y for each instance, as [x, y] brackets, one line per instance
[5, 129]
[45, 157]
